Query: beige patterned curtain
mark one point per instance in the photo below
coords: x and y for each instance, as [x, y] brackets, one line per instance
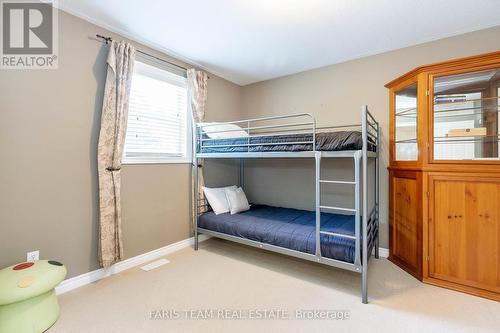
[197, 87]
[110, 149]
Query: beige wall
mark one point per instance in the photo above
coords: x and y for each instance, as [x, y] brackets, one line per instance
[48, 180]
[334, 95]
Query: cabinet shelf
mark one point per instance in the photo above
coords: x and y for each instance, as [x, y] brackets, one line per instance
[467, 100]
[411, 111]
[459, 139]
[444, 113]
[448, 139]
[406, 141]
[484, 108]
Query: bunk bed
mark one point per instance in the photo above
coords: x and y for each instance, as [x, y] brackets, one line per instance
[342, 237]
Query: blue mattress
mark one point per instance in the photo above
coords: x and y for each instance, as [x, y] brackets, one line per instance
[286, 227]
[329, 141]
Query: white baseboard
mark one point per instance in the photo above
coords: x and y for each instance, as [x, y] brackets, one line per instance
[98, 274]
[383, 252]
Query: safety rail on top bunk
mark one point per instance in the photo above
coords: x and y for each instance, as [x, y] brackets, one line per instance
[303, 123]
[291, 124]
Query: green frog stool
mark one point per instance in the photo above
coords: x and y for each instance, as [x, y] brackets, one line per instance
[28, 302]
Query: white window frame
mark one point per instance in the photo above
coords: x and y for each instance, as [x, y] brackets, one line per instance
[188, 157]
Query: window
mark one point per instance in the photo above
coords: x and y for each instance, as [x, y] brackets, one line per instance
[158, 123]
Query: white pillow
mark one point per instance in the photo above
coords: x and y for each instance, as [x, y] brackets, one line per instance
[237, 200]
[236, 131]
[217, 198]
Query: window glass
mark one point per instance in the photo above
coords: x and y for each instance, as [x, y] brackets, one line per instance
[157, 130]
[406, 148]
[466, 116]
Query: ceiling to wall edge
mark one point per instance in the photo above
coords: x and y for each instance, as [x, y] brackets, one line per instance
[176, 56]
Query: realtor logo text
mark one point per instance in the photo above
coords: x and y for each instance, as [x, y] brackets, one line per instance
[29, 35]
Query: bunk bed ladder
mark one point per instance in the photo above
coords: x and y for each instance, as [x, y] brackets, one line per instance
[317, 159]
[360, 210]
[356, 210]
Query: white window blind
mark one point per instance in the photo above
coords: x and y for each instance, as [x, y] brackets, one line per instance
[157, 130]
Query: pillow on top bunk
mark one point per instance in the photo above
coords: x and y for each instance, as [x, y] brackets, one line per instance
[217, 198]
[216, 131]
[237, 199]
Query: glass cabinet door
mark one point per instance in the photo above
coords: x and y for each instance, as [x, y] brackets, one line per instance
[465, 116]
[405, 131]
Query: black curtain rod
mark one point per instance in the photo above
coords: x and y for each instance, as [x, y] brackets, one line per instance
[109, 39]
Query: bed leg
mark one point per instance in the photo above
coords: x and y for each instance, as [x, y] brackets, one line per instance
[364, 209]
[364, 284]
[196, 239]
[196, 166]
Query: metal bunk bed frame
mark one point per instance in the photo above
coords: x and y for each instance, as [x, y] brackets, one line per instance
[366, 220]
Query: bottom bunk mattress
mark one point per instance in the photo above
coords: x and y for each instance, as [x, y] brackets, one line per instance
[289, 228]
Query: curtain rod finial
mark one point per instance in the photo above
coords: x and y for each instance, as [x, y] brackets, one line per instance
[106, 39]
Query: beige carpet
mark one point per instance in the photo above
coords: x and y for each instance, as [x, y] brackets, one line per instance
[228, 276]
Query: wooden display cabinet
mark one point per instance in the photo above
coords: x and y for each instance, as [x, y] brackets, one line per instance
[444, 186]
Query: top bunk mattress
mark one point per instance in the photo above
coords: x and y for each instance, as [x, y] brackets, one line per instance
[325, 141]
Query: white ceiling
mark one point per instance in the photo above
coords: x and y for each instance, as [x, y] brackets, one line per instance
[246, 41]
